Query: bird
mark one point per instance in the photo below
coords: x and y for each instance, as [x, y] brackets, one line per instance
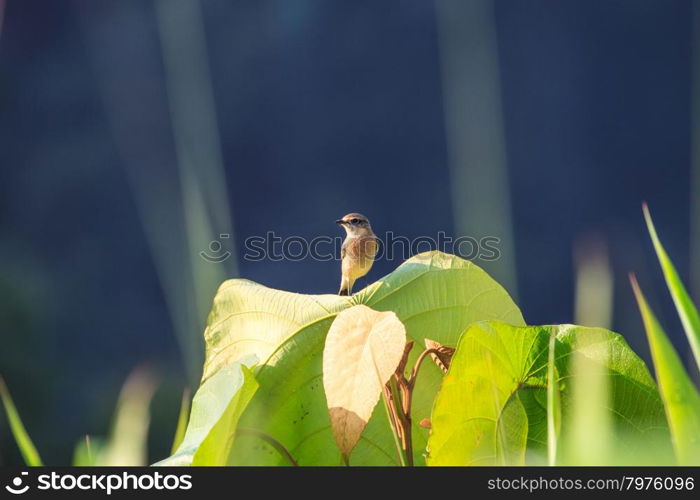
[358, 250]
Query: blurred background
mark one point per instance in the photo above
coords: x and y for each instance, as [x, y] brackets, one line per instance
[134, 133]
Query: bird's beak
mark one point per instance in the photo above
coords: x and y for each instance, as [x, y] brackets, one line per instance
[340, 221]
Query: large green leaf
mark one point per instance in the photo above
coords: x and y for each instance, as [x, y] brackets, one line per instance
[687, 311]
[434, 294]
[681, 399]
[492, 406]
[216, 409]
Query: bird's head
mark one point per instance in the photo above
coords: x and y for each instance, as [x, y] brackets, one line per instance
[355, 224]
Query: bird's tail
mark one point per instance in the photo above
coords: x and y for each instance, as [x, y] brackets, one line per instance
[345, 287]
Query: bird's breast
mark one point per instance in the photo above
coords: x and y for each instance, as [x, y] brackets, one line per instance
[359, 255]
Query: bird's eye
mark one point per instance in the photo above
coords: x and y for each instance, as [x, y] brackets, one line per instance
[355, 221]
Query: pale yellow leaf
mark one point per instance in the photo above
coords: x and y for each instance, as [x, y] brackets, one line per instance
[363, 349]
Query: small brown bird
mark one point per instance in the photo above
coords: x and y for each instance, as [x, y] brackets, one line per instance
[358, 251]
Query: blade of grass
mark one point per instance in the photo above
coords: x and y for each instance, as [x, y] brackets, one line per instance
[684, 305]
[553, 404]
[681, 400]
[88, 449]
[588, 433]
[594, 282]
[474, 130]
[88, 452]
[155, 185]
[127, 443]
[181, 421]
[207, 211]
[24, 442]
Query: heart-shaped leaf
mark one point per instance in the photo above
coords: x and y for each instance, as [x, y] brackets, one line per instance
[492, 406]
[363, 349]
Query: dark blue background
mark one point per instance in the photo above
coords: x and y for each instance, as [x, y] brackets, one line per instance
[323, 108]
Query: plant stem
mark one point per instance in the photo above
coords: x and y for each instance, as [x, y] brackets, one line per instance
[398, 396]
[403, 424]
[243, 431]
[390, 408]
[416, 367]
[406, 398]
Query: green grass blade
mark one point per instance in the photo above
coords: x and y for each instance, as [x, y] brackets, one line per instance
[181, 421]
[589, 427]
[88, 452]
[681, 400]
[594, 297]
[684, 305]
[553, 402]
[24, 442]
[128, 438]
